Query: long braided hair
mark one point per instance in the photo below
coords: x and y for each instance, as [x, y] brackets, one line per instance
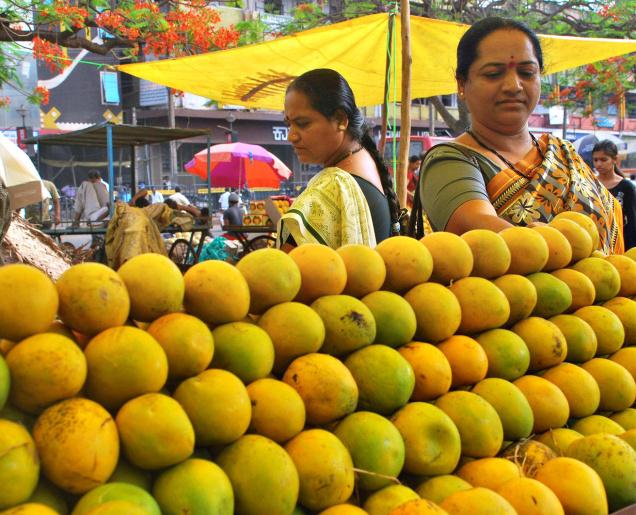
[329, 92]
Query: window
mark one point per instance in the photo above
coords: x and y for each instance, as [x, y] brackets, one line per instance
[110, 87]
[449, 100]
[273, 6]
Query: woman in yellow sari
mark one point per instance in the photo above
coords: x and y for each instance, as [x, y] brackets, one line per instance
[497, 174]
[351, 200]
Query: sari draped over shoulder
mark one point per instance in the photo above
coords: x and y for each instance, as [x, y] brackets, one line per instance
[331, 211]
[553, 180]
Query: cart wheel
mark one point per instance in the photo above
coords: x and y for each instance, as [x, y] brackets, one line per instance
[181, 252]
[261, 242]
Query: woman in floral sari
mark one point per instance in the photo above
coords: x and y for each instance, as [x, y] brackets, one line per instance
[497, 174]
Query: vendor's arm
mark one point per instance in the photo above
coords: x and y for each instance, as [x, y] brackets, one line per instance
[141, 193]
[194, 211]
[55, 197]
[454, 195]
[475, 214]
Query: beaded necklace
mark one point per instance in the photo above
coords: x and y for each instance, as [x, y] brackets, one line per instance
[503, 159]
[343, 156]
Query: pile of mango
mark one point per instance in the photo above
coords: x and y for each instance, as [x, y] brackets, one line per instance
[491, 373]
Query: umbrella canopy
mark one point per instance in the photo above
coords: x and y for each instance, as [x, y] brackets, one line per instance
[257, 75]
[585, 144]
[19, 175]
[238, 165]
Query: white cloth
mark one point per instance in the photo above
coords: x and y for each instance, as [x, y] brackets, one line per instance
[180, 199]
[224, 200]
[91, 200]
[156, 197]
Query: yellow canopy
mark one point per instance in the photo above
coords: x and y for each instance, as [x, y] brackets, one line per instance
[257, 75]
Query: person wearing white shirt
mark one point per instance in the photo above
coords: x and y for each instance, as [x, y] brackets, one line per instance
[224, 199]
[179, 197]
[156, 197]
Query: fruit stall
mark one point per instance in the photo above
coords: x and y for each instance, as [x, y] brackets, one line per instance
[492, 373]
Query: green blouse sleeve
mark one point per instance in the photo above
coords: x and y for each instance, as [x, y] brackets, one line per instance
[449, 179]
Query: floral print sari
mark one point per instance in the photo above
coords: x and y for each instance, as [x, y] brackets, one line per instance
[331, 211]
[554, 178]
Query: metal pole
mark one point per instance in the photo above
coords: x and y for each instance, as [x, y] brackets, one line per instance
[111, 169]
[209, 165]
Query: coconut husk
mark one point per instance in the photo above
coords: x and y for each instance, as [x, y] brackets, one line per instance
[24, 243]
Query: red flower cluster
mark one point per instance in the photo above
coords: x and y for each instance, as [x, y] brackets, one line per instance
[115, 23]
[43, 94]
[74, 16]
[62, 11]
[150, 6]
[607, 11]
[5, 101]
[191, 29]
[52, 54]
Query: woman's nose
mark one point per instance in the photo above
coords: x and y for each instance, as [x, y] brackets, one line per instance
[512, 81]
[292, 135]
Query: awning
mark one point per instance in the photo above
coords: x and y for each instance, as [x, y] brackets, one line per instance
[123, 135]
[110, 135]
[257, 75]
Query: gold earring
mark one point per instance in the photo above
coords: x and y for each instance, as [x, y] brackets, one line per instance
[342, 127]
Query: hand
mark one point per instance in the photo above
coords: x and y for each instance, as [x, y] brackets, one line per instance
[57, 220]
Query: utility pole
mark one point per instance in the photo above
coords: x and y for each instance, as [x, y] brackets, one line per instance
[173, 143]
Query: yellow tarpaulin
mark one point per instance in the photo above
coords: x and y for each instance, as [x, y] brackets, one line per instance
[257, 75]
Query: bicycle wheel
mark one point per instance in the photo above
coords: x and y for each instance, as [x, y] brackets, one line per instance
[181, 253]
[260, 242]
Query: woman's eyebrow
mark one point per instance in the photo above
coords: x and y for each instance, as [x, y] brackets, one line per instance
[503, 65]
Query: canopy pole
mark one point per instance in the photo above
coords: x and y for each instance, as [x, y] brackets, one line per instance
[209, 172]
[387, 85]
[133, 169]
[405, 107]
[111, 169]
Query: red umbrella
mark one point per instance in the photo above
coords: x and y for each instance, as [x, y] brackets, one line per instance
[236, 165]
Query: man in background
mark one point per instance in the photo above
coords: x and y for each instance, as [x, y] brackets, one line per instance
[155, 196]
[224, 199]
[233, 214]
[40, 212]
[412, 176]
[91, 200]
[179, 197]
